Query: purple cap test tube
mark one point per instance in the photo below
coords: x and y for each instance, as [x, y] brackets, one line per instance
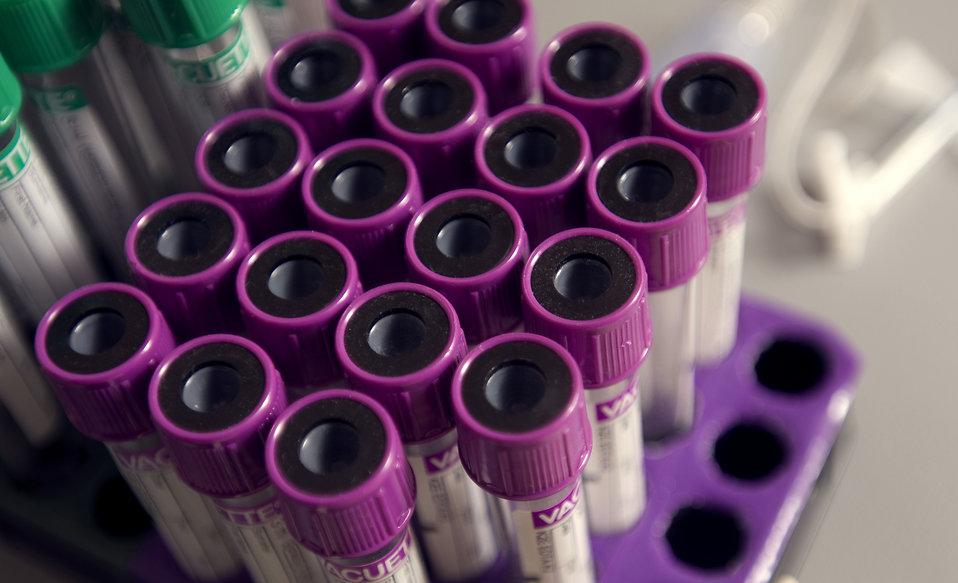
[254, 159]
[470, 246]
[651, 191]
[400, 344]
[325, 80]
[715, 105]
[292, 289]
[99, 346]
[537, 157]
[524, 437]
[184, 251]
[364, 192]
[434, 109]
[392, 29]
[493, 38]
[598, 72]
[587, 289]
[214, 399]
[348, 493]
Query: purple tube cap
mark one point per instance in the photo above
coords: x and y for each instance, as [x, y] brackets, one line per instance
[470, 246]
[587, 289]
[667, 226]
[337, 462]
[400, 343]
[213, 400]
[716, 106]
[575, 72]
[520, 411]
[98, 346]
[292, 290]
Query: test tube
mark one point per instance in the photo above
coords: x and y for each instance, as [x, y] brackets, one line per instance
[348, 493]
[98, 347]
[324, 79]
[364, 193]
[400, 344]
[536, 157]
[43, 252]
[651, 191]
[715, 105]
[254, 159]
[213, 52]
[598, 72]
[87, 108]
[470, 246]
[587, 289]
[494, 38]
[292, 289]
[434, 109]
[392, 29]
[524, 437]
[184, 251]
[284, 19]
[214, 399]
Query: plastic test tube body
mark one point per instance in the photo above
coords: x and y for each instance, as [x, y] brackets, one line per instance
[43, 252]
[651, 191]
[324, 79]
[98, 346]
[524, 437]
[715, 105]
[400, 344]
[353, 513]
[283, 19]
[293, 288]
[213, 58]
[392, 29]
[88, 113]
[214, 399]
[587, 289]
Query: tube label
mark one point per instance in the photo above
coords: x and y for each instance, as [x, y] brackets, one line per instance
[14, 158]
[453, 517]
[554, 542]
[614, 476]
[184, 518]
[268, 549]
[403, 564]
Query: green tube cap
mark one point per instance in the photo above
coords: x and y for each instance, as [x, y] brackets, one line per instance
[10, 96]
[39, 36]
[181, 23]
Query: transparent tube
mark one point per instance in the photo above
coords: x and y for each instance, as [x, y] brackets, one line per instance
[283, 19]
[453, 517]
[400, 562]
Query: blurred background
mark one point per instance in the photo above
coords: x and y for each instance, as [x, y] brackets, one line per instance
[848, 81]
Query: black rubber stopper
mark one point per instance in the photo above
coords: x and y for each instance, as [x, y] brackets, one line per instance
[532, 149]
[464, 237]
[647, 183]
[212, 387]
[97, 332]
[397, 333]
[359, 183]
[515, 387]
[319, 71]
[184, 238]
[295, 278]
[373, 9]
[251, 153]
[331, 446]
[429, 100]
[596, 64]
[480, 22]
[583, 278]
[710, 96]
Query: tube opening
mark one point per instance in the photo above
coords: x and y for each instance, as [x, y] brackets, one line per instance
[478, 15]
[315, 70]
[97, 331]
[296, 277]
[462, 237]
[593, 64]
[184, 239]
[708, 95]
[210, 387]
[515, 387]
[582, 277]
[330, 447]
[250, 152]
[396, 333]
[426, 100]
[359, 183]
[645, 182]
[531, 148]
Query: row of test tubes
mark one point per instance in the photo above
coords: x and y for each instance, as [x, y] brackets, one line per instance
[501, 365]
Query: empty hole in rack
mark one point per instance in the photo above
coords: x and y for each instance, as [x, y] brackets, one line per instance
[706, 537]
[790, 366]
[97, 331]
[116, 510]
[749, 451]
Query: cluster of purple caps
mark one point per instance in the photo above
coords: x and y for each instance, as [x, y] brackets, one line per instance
[465, 211]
